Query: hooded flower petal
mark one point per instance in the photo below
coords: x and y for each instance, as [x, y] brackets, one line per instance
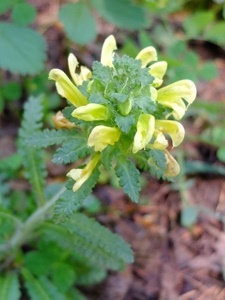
[66, 88]
[160, 141]
[172, 166]
[145, 130]
[108, 48]
[173, 128]
[85, 73]
[172, 95]
[61, 122]
[82, 175]
[90, 112]
[147, 55]
[158, 70]
[102, 136]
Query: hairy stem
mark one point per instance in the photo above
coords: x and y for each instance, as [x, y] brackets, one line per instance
[25, 230]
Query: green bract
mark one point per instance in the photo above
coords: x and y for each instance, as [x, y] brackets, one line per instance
[125, 119]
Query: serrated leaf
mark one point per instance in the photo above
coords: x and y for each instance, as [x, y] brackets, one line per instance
[125, 122]
[37, 263]
[102, 247]
[9, 287]
[108, 155]
[71, 151]
[49, 137]
[63, 276]
[33, 160]
[157, 162]
[78, 22]
[40, 288]
[122, 13]
[129, 177]
[71, 201]
[23, 13]
[22, 49]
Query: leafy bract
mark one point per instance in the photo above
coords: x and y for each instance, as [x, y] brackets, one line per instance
[129, 177]
[78, 22]
[71, 201]
[22, 49]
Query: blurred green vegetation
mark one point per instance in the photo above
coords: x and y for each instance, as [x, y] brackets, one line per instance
[42, 264]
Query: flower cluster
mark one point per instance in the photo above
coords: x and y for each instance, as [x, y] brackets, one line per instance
[122, 108]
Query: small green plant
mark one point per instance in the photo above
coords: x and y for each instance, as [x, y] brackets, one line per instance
[118, 118]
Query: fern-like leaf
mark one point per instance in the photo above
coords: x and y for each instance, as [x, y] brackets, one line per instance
[33, 160]
[71, 201]
[9, 287]
[97, 243]
[71, 151]
[49, 137]
[40, 288]
[129, 177]
[157, 163]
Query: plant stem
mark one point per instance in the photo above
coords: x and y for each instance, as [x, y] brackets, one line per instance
[24, 232]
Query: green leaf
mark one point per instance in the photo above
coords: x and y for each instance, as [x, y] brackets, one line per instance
[63, 276]
[33, 160]
[41, 288]
[195, 24]
[5, 5]
[129, 177]
[12, 91]
[122, 13]
[208, 71]
[22, 49]
[51, 137]
[216, 33]
[23, 13]
[70, 201]
[78, 22]
[9, 287]
[157, 162]
[125, 122]
[221, 154]
[37, 263]
[71, 151]
[99, 245]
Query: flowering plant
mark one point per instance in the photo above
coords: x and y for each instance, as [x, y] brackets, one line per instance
[121, 118]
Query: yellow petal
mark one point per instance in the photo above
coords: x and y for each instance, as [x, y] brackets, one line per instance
[66, 88]
[158, 70]
[173, 128]
[172, 166]
[147, 55]
[153, 93]
[172, 95]
[73, 64]
[82, 175]
[160, 142]
[145, 130]
[90, 112]
[61, 122]
[108, 48]
[102, 136]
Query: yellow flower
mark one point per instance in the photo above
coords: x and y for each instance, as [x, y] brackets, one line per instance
[144, 133]
[173, 128]
[85, 73]
[102, 136]
[82, 175]
[147, 55]
[108, 48]
[67, 89]
[172, 96]
[172, 166]
[158, 70]
[91, 112]
[61, 122]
